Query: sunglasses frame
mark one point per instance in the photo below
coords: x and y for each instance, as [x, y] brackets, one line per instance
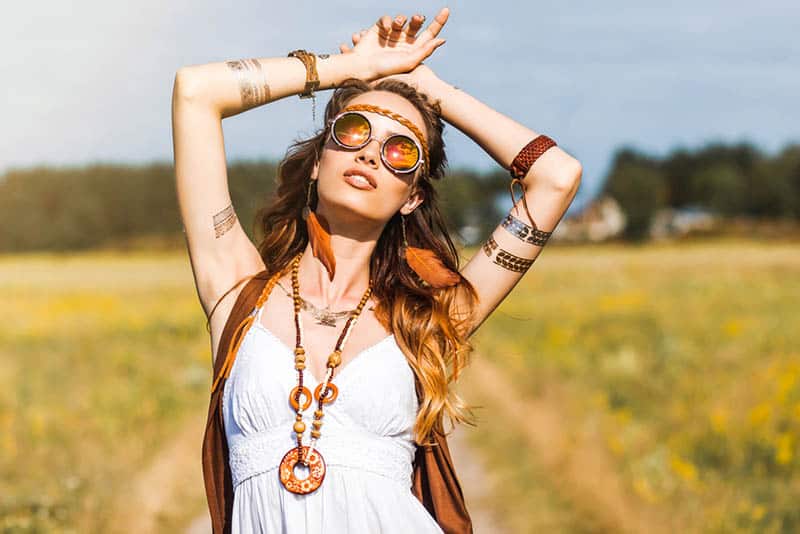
[382, 142]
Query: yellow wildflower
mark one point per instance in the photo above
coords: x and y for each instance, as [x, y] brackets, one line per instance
[719, 420]
[785, 448]
[684, 469]
[760, 414]
[732, 328]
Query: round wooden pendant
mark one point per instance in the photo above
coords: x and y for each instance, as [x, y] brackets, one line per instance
[316, 474]
[333, 392]
[305, 393]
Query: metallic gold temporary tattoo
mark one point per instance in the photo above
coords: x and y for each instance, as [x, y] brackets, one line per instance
[524, 232]
[505, 259]
[223, 221]
[490, 246]
[252, 81]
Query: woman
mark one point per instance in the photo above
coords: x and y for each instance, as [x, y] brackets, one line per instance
[354, 244]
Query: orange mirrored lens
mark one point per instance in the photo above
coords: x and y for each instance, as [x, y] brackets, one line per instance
[351, 130]
[400, 152]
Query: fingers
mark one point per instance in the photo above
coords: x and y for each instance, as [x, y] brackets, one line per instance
[429, 47]
[436, 26]
[382, 27]
[413, 27]
[356, 38]
[393, 30]
[384, 24]
[397, 28]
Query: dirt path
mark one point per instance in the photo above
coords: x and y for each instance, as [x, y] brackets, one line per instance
[476, 482]
[576, 462]
[173, 476]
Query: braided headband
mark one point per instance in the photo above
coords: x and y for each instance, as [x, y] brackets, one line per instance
[399, 118]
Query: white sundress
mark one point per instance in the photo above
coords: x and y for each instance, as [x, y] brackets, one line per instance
[367, 443]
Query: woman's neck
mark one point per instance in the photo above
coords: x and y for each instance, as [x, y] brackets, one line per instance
[350, 279]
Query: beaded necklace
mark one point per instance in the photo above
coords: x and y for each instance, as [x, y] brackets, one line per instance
[325, 393]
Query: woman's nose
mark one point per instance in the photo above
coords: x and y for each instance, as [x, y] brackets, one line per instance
[369, 153]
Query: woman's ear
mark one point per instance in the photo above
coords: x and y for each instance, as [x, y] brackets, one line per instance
[413, 201]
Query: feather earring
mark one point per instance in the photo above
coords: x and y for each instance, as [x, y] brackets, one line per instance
[427, 264]
[319, 235]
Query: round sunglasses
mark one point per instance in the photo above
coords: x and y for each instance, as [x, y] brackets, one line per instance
[352, 131]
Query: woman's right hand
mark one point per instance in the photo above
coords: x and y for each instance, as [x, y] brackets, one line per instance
[392, 47]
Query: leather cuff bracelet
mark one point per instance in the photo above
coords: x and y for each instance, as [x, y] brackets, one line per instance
[312, 78]
[529, 154]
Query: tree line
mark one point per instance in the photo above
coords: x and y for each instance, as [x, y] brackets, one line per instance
[99, 205]
[727, 180]
[81, 207]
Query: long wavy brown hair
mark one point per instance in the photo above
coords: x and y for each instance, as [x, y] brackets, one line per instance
[428, 327]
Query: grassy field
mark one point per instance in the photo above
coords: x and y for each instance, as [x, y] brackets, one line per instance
[103, 357]
[685, 359]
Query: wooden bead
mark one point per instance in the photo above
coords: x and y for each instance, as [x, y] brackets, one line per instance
[333, 392]
[318, 414]
[299, 366]
[299, 350]
[299, 427]
[300, 358]
[316, 423]
[305, 395]
[334, 360]
[316, 434]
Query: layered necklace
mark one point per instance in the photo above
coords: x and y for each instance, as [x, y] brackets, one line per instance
[325, 393]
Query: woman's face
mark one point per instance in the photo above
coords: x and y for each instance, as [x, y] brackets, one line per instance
[342, 197]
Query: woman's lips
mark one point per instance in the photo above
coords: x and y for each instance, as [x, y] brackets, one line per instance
[359, 179]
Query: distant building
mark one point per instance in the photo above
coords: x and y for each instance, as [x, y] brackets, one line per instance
[601, 220]
[672, 222]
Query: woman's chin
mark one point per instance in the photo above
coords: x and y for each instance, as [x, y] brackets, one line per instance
[350, 210]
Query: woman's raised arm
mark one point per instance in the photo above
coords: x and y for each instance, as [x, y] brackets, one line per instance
[221, 254]
[550, 186]
[231, 87]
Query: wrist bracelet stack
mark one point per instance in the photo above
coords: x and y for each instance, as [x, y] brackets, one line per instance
[520, 166]
[518, 170]
[309, 60]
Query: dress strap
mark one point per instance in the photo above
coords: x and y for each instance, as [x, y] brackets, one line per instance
[260, 311]
[240, 331]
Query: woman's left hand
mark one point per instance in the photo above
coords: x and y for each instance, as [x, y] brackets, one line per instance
[421, 77]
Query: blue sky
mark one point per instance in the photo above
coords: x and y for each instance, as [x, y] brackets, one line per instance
[92, 81]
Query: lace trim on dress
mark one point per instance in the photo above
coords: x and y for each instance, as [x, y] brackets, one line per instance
[262, 452]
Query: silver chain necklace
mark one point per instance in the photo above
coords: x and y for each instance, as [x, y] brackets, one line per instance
[323, 316]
